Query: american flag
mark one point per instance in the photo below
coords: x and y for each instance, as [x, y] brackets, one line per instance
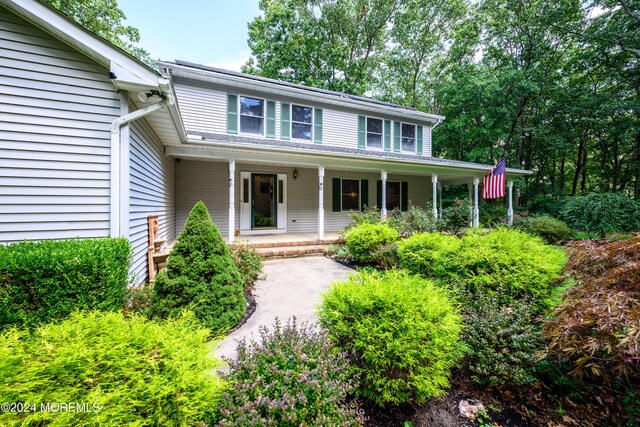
[493, 183]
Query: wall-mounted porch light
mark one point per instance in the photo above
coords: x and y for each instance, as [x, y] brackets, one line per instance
[295, 173]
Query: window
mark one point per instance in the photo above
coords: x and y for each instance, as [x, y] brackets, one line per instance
[350, 195]
[408, 137]
[301, 122]
[374, 133]
[251, 115]
[393, 196]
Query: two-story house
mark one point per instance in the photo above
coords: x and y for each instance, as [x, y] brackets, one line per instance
[92, 141]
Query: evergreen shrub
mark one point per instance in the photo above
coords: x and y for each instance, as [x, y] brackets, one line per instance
[292, 377]
[602, 213]
[550, 229]
[363, 240]
[47, 280]
[126, 370]
[400, 331]
[200, 275]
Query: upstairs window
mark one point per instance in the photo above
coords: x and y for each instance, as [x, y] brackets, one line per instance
[301, 122]
[408, 138]
[374, 133]
[251, 115]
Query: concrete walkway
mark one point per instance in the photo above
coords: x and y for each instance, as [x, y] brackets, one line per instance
[292, 287]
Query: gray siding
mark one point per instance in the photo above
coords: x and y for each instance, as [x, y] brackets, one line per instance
[56, 106]
[152, 192]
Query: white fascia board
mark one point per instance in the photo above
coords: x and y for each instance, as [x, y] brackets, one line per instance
[242, 83]
[130, 73]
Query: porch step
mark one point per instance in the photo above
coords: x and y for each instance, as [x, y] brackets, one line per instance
[294, 244]
[291, 251]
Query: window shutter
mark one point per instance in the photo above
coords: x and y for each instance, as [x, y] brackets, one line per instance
[271, 119]
[232, 113]
[379, 195]
[404, 196]
[317, 125]
[364, 193]
[362, 135]
[285, 121]
[396, 137]
[419, 140]
[387, 135]
[336, 195]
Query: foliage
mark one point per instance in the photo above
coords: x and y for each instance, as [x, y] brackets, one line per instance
[602, 213]
[291, 377]
[414, 220]
[127, 370]
[401, 332]
[386, 256]
[631, 403]
[363, 239]
[492, 215]
[340, 253]
[597, 327]
[248, 262]
[47, 280]
[456, 217]
[200, 275]
[105, 18]
[502, 342]
[505, 263]
[552, 230]
[138, 299]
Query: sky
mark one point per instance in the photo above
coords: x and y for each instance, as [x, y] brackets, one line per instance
[209, 32]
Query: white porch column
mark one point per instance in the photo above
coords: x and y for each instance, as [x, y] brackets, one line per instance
[476, 210]
[383, 208]
[320, 202]
[232, 206]
[510, 210]
[471, 214]
[434, 185]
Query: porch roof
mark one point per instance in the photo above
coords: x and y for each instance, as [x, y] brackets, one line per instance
[213, 146]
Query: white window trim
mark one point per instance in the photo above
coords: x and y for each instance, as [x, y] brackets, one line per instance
[313, 116]
[387, 194]
[359, 194]
[366, 134]
[415, 138]
[264, 116]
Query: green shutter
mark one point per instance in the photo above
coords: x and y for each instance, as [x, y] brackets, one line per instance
[396, 137]
[364, 194]
[336, 195]
[419, 140]
[232, 113]
[362, 134]
[285, 123]
[387, 135]
[404, 196]
[271, 119]
[379, 195]
[317, 126]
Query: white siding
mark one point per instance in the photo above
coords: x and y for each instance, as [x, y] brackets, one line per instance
[340, 128]
[152, 192]
[56, 106]
[202, 107]
[426, 137]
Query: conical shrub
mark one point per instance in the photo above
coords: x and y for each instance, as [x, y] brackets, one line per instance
[201, 276]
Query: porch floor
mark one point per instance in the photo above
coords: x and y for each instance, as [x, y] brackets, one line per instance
[287, 238]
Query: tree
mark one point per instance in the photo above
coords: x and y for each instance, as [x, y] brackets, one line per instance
[105, 18]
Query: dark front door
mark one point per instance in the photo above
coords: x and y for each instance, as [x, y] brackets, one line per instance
[263, 202]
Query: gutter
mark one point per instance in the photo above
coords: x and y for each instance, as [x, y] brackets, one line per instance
[118, 182]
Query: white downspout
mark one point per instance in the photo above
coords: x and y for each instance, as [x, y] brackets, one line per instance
[116, 178]
[436, 125]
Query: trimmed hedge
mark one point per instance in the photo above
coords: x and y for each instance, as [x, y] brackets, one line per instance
[125, 370]
[47, 280]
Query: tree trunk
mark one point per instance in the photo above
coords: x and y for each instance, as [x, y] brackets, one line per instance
[576, 175]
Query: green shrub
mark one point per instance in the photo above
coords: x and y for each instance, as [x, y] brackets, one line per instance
[401, 333]
[292, 377]
[127, 370]
[550, 229]
[456, 217]
[502, 342]
[386, 256]
[248, 262]
[602, 213]
[340, 253]
[431, 255]
[414, 220]
[363, 239]
[46, 280]
[138, 299]
[200, 275]
[368, 215]
[492, 215]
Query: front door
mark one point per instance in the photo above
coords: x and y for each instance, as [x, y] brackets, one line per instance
[264, 196]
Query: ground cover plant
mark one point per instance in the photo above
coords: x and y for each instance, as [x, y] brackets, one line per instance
[292, 376]
[400, 331]
[200, 275]
[47, 280]
[127, 370]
